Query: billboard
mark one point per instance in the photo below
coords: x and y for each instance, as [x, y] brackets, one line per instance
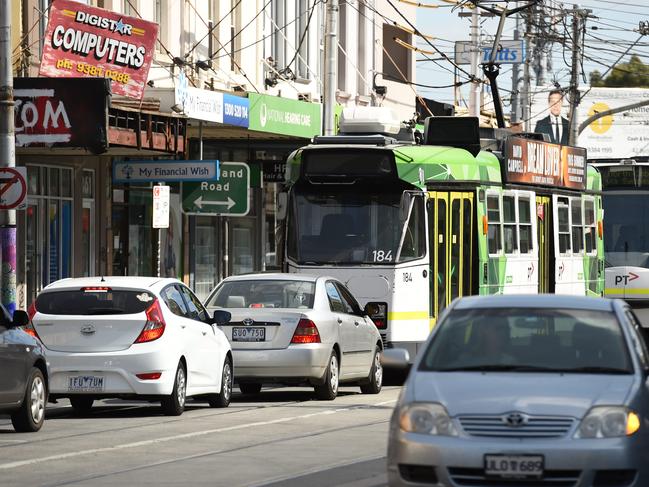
[83, 41]
[61, 112]
[545, 164]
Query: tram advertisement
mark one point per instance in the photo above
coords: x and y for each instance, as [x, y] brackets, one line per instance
[545, 164]
[83, 41]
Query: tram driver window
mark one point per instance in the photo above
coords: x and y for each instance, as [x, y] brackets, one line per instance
[494, 225]
[510, 230]
[564, 225]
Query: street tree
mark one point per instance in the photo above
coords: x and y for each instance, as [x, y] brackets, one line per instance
[633, 74]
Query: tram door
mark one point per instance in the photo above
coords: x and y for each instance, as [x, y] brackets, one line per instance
[544, 239]
[451, 234]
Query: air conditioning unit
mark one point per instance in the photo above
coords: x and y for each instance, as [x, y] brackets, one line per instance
[369, 120]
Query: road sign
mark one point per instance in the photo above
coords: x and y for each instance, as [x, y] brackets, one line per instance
[229, 196]
[161, 207]
[164, 171]
[13, 187]
[509, 52]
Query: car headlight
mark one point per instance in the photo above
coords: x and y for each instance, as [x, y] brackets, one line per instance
[426, 418]
[608, 422]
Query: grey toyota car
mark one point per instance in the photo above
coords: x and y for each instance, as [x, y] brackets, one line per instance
[526, 391]
[23, 373]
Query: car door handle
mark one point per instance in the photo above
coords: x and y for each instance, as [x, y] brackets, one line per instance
[356, 323]
[204, 333]
[183, 326]
[340, 321]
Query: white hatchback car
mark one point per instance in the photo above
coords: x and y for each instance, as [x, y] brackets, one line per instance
[131, 337]
[294, 328]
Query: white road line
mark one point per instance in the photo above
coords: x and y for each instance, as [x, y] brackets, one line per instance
[94, 451]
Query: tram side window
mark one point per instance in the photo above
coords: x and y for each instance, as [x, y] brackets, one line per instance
[509, 218]
[577, 227]
[414, 241]
[564, 226]
[525, 225]
[493, 218]
[590, 226]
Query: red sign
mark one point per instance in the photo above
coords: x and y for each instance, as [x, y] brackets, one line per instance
[545, 164]
[83, 41]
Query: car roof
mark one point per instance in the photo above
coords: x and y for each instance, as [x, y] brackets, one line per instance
[109, 281]
[274, 276]
[536, 301]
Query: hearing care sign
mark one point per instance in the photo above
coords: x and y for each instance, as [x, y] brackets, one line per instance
[84, 41]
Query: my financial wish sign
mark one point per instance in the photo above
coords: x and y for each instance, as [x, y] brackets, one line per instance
[84, 41]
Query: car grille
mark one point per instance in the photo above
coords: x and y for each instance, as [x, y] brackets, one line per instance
[551, 478]
[534, 427]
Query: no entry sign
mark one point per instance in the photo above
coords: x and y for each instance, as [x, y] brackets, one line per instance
[13, 187]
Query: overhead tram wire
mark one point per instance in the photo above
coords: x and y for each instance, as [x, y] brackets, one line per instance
[209, 31]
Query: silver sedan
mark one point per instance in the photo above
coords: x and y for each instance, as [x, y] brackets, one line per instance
[526, 390]
[294, 329]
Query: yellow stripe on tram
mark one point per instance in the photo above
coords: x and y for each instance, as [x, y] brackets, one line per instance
[627, 292]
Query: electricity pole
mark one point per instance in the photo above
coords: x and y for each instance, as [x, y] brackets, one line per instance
[578, 19]
[7, 159]
[525, 95]
[515, 77]
[330, 65]
[474, 96]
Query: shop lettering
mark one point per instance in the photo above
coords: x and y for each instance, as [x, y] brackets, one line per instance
[41, 119]
[238, 111]
[104, 23]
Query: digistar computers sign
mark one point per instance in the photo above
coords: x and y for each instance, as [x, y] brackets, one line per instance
[83, 41]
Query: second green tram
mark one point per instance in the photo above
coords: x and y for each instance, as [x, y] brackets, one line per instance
[411, 227]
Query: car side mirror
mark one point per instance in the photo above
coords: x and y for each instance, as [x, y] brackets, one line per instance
[21, 318]
[221, 317]
[397, 358]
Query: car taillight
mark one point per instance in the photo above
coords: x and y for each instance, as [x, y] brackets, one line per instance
[29, 328]
[155, 324]
[149, 376]
[306, 332]
[378, 312]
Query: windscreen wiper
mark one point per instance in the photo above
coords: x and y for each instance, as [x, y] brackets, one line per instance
[596, 369]
[499, 368]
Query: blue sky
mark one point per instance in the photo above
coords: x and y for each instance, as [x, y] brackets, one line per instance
[614, 32]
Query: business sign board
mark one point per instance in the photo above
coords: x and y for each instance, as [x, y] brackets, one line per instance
[509, 52]
[545, 164]
[164, 171]
[284, 116]
[229, 196]
[235, 110]
[61, 112]
[621, 135]
[84, 41]
[161, 206]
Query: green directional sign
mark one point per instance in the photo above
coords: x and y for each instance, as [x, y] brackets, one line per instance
[228, 196]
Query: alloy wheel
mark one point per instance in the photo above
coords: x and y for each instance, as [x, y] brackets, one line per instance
[37, 400]
[333, 369]
[182, 386]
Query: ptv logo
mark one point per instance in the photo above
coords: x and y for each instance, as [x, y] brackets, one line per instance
[626, 278]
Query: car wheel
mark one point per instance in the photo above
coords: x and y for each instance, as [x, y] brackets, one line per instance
[222, 399]
[29, 418]
[81, 404]
[250, 388]
[329, 389]
[375, 380]
[174, 404]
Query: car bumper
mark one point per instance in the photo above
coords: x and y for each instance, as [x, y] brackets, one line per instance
[118, 369]
[415, 459]
[295, 362]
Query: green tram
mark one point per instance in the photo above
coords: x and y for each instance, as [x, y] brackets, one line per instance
[410, 227]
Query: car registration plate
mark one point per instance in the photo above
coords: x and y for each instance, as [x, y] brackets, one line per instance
[248, 334]
[85, 383]
[517, 466]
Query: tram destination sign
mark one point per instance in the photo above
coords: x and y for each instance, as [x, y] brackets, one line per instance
[545, 164]
[229, 196]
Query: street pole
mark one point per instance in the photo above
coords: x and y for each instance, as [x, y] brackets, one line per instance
[474, 96]
[7, 159]
[526, 74]
[574, 74]
[516, 75]
[330, 66]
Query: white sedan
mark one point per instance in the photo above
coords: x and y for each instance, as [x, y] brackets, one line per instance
[131, 337]
[293, 328]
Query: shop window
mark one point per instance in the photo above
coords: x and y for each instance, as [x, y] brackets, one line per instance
[493, 217]
[577, 226]
[509, 219]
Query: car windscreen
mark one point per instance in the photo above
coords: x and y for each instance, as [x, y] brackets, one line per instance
[517, 339]
[264, 294]
[90, 301]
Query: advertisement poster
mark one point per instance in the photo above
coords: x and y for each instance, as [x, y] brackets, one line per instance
[545, 164]
[84, 41]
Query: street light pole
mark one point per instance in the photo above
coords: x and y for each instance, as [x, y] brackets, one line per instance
[330, 65]
[7, 159]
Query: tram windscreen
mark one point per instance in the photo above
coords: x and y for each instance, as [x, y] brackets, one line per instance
[626, 228]
[354, 226]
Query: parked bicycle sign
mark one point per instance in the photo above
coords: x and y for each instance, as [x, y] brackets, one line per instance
[228, 196]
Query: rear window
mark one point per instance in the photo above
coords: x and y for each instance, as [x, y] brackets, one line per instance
[93, 302]
[263, 294]
[566, 340]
